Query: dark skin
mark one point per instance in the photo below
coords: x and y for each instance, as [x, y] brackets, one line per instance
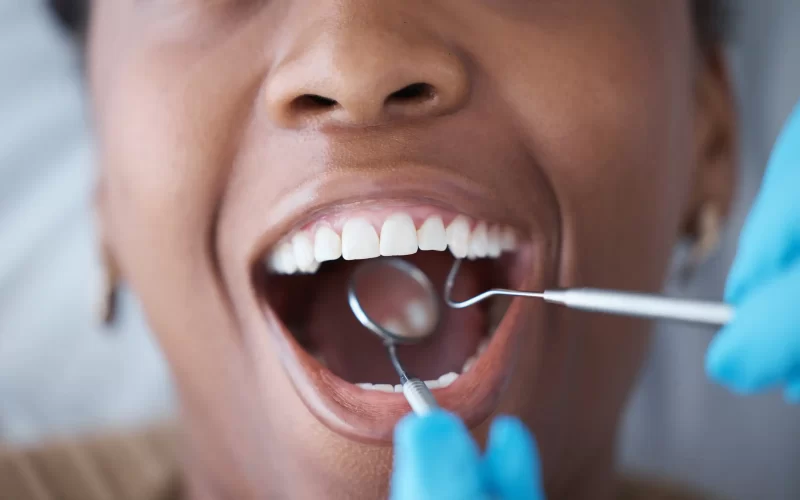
[597, 129]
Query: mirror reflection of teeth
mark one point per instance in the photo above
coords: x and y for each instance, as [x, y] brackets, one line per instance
[395, 326]
[418, 317]
[303, 251]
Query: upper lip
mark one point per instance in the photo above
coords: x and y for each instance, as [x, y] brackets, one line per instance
[337, 191]
[335, 402]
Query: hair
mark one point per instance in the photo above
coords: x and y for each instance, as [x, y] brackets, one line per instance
[72, 14]
[711, 19]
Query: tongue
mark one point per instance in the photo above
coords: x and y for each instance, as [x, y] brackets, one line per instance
[357, 355]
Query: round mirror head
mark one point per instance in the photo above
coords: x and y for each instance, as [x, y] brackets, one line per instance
[395, 300]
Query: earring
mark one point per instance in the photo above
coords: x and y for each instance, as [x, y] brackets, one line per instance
[108, 286]
[709, 234]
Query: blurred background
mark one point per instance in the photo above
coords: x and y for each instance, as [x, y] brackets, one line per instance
[60, 372]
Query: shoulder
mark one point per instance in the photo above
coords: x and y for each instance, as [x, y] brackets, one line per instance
[135, 466]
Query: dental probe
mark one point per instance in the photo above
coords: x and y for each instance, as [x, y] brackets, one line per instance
[610, 302]
[419, 397]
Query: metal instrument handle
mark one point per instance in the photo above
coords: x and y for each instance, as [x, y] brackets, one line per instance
[642, 305]
[419, 396]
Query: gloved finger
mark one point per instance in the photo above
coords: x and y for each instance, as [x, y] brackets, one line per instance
[770, 239]
[792, 392]
[511, 463]
[760, 347]
[435, 458]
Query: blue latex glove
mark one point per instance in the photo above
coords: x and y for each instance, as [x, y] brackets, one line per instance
[436, 458]
[760, 348]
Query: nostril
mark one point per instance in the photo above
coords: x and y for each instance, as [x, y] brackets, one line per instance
[312, 103]
[416, 92]
[411, 100]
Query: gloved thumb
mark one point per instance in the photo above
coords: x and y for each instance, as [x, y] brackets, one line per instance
[435, 458]
[769, 240]
[760, 348]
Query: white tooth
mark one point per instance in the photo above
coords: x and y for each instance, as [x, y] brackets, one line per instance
[285, 260]
[418, 317]
[482, 346]
[327, 245]
[359, 240]
[383, 387]
[303, 251]
[479, 241]
[274, 262]
[468, 363]
[313, 268]
[398, 388]
[458, 237]
[395, 326]
[494, 249]
[447, 379]
[365, 386]
[508, 239]
[398, 235]
[432, 235]
[432, 384]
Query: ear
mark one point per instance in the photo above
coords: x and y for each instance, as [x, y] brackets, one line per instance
[715, 140]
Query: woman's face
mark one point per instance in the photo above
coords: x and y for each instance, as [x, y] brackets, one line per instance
[588, 130]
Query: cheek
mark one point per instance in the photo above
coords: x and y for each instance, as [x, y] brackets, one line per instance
[160, 191]
[609, 118]
[164, 167]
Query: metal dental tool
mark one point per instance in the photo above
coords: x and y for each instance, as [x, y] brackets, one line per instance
[396, 301]
[611, 302]
[407, 311]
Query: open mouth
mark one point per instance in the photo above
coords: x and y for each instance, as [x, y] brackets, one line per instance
[341, 369]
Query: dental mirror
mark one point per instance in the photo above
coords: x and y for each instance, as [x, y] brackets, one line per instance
[396, 301]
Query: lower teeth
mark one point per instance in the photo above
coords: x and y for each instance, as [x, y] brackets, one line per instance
[497, 311]
[442, 382]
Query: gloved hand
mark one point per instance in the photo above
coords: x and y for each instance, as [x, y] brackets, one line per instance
[436, 458]
[760, 348]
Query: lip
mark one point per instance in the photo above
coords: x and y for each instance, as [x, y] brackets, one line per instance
[336, 190]
[370, 416]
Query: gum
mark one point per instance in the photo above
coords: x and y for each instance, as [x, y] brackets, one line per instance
[376, 215]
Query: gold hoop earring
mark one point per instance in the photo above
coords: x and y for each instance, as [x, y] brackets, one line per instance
[108, 286]
[709, 234]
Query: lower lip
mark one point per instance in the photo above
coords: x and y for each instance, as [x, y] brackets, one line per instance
[369, 415]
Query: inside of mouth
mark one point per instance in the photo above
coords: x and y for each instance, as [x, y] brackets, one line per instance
[315, 310]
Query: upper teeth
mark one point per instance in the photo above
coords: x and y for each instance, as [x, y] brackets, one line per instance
[432, 235]
[398, 235]
[359, 240]
[303, 250]
[327, 245]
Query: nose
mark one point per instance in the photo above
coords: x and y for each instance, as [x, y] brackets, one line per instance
[365, 73]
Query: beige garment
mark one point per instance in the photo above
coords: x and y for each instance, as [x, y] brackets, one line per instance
[144, 466]
[129, 466]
